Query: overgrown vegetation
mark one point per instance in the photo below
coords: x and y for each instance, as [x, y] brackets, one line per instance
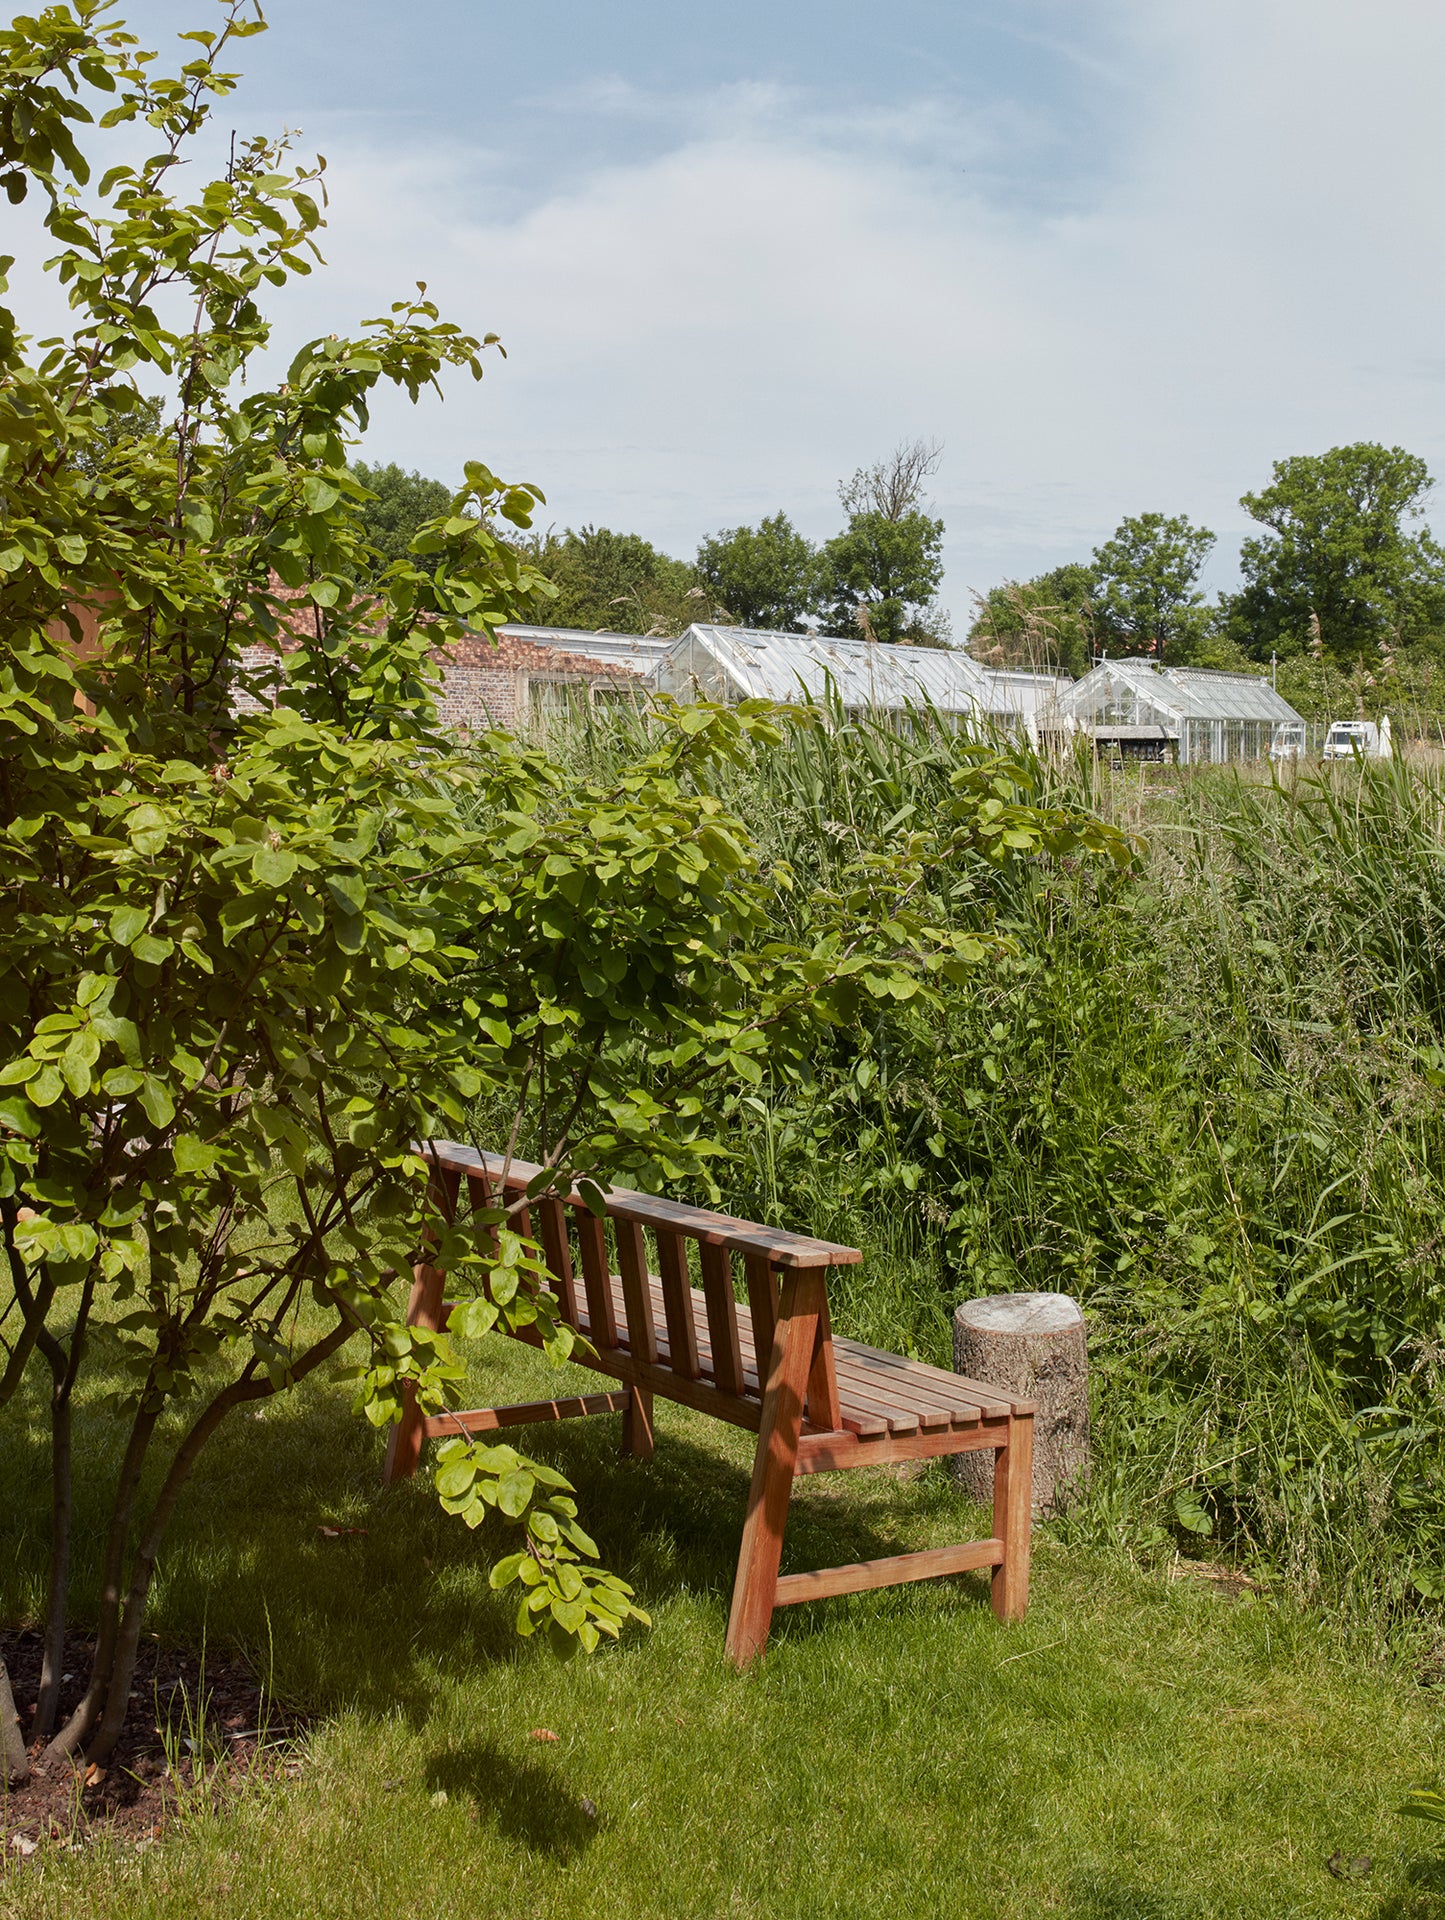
[1206, 1095]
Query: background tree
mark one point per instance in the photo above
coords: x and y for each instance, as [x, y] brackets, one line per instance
[763, 576]
[1044, 622]
[880, 576]
[401, 505]
[616, 583]
[1146, 595]
[1346, 543]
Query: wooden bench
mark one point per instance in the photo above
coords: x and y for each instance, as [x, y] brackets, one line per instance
[816, 1402]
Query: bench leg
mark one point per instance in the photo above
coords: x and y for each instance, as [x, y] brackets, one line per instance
[403, 1447]
[637, 1423]
[1013, 1492]
[760, 1556]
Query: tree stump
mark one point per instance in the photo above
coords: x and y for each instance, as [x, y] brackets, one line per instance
[1030, 1345]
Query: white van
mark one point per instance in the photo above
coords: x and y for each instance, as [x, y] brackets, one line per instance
[1289, 740]
[1369, 740]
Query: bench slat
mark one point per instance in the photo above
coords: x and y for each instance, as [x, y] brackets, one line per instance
[762, 1285]
[913, 1373]
[722, 1318]
[559, 1256]
[601, 1309]
[916, 1394]
[677, 1301]
[636, 1293]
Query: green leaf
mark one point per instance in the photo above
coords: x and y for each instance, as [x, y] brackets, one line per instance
[273, 867]
[514, 1490]
[46, 1088]
[18, 1116]
[127, 924]
[456, 1478]
[155, 1097]
[506, 1571]
[1189, 1512]
[193, 1155]
[348, 890]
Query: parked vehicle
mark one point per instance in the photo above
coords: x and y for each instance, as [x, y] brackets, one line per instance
[1289, 740]
[1367, 738]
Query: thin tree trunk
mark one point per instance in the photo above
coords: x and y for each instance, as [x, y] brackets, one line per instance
[33, 1311]
[64, 1366]
[78, 1727]
[14, 1761]
[117, 1691]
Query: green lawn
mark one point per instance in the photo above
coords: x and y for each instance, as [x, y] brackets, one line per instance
[1138, 1750]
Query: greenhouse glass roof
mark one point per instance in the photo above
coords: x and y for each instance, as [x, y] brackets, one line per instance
[746, 663]
[1125, 690]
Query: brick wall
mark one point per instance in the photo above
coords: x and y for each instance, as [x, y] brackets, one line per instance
[483, 685]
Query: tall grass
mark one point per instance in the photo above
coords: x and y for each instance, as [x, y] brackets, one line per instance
[1208, 1100]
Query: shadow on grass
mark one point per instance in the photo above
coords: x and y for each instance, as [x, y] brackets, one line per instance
[1105, 1896]
[1421, 1895]
[522, 1799]
[382, 1617]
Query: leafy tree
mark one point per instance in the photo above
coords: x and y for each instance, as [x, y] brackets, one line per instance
[401, 505]
[248, 959]
[1345, 545]
[1044, 622]
[1145, 585]
[616, 583]
[880, 575]
[764, 576]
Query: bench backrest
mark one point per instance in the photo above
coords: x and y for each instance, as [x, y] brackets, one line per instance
[603, 1278]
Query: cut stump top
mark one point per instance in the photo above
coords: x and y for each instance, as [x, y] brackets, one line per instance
[1020, 1313]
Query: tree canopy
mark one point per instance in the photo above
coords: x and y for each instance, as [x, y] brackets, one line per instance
[1345, 547]
[616, 583]
[881, 574]
[1038, 624]
[1145, 592]
[763, 576]
[401, 504]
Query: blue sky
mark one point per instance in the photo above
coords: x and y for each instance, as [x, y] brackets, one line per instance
[1116, 255]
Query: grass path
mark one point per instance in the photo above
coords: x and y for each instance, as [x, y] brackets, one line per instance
[1138, 1750]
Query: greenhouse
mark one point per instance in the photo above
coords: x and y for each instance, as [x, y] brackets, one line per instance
[741, 663]
[1194, 715]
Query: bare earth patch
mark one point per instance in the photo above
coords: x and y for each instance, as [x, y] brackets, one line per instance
[197, 1729]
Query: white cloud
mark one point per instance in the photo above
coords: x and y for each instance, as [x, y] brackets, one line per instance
[730, 324]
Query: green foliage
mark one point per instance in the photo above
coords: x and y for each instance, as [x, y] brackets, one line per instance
[401, 504]
[879, 575]
[1145, 591]
[1047, 622]
[1345, 550]
[616, 583]
[1203, 1094]
[764, 576]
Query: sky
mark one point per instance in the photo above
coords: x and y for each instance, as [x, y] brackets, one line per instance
[1117, 255]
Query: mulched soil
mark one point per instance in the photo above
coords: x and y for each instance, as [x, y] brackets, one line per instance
[193, 1727]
